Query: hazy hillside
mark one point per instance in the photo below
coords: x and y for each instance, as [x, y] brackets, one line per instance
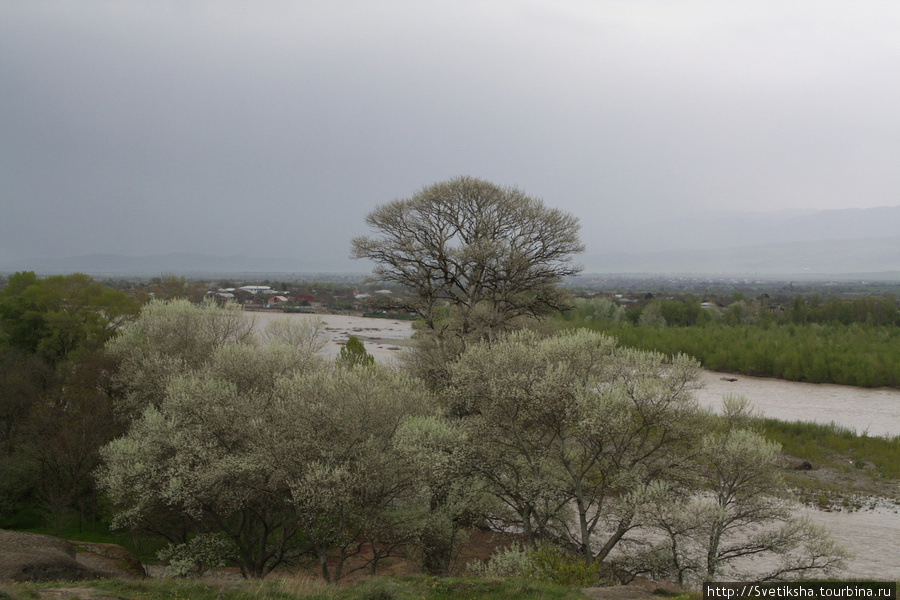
[723, 229]
[829, 242]
[177, 263]
[879, 256]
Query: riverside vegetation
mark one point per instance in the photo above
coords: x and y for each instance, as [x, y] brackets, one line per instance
[169, 476]
[851, 342]
[218, 446]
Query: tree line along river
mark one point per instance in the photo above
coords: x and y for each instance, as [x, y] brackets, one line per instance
[872, 535]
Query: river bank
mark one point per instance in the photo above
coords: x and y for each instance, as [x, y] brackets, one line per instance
[862, 517]
[383, 338]
[865, 410]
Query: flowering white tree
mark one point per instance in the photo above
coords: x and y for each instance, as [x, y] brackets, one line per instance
[170, 338]
[270, 448]
[569, 431]
[738, 510]
[279, 464]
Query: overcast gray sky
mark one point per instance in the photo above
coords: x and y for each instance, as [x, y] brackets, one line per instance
[271, 128]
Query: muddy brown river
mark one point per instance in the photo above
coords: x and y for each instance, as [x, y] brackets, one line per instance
[871, 411]
[873, 535]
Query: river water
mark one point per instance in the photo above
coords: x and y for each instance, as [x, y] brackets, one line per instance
[872, 535]
[873, 411]
[382, 338]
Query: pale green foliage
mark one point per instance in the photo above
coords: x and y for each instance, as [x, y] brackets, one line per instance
[568, 431]
[545, 562]
[739, 509]
[743, 312]
[651, 316]
[169, 339]
[306, 333]
[493, 253]
[599, 309]
[514, 560]
[194, 557]
[552, 564]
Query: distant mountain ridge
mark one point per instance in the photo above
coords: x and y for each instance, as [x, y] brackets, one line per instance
[869, 256]
[175, 263]
[721, 229]
[826, 242]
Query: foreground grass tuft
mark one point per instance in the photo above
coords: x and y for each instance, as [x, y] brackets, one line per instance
[411, 587]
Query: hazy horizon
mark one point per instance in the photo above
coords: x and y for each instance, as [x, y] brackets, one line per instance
[271, 129]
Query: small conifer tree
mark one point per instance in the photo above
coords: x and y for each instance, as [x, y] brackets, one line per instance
[354, 354]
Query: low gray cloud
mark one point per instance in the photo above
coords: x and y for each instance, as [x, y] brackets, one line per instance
[272, 128]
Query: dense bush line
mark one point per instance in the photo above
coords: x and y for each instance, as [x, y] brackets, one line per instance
[851, 343]
[245, 447]
[851, 355]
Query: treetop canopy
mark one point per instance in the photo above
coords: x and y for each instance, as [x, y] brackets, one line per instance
[493, 253]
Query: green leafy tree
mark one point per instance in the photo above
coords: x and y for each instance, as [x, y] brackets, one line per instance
[63, 438]
[61, 315]
[26, 379]
[171, 287]
[21, 323]
[54, 399]
[26, 383]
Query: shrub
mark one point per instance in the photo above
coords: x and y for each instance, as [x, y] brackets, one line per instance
[547, 563]
[193, 558]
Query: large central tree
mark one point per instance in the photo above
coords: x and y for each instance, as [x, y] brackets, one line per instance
[492, 254]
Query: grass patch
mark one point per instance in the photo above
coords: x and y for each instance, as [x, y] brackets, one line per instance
[379, 588]
[849, 471]
[30, 520]
[836, 447]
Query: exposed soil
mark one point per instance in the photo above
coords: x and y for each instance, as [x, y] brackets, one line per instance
[81, 593]
[840, 484]
[620, 592]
